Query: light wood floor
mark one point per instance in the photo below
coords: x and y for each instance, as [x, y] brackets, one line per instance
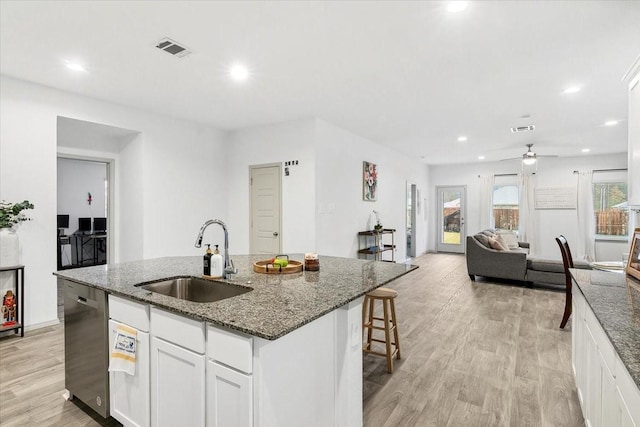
[474, 354]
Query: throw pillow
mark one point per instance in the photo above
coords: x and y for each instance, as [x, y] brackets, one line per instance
[482, 239]
[510, 239]
[502, 241]
[495, 244]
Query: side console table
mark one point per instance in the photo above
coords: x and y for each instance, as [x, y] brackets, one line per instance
[371, 243]
[17, 304]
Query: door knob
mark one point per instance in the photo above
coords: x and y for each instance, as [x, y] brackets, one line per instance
[275, 233]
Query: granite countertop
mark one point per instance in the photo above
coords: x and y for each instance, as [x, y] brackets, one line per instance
[277, 304]
[614, 298]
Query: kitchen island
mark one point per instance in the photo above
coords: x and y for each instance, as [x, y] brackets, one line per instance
[606, 347]
[286, 353]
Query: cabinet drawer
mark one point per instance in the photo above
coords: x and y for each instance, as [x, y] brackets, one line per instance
[129, 312]
[185, 332]
[232, 349]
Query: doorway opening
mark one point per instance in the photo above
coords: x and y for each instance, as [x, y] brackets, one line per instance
[412, 203]
[83, 213]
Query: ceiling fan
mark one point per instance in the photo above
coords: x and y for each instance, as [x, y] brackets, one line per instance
[530, 157]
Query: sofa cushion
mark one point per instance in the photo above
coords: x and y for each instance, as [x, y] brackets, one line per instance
[489, 233]
[554, 265]
[483, 239]
[551, 265]
[520, 250]
[578, 263]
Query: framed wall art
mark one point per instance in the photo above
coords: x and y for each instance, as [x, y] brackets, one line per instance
[370, 181]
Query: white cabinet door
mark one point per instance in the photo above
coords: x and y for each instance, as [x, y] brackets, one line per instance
[177, 385]
[608, 402]
[229, 397]
[592, 387]
[130, 394]
[578, 344]
[622, 417]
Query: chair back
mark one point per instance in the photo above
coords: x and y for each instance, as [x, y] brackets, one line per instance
[567, 261]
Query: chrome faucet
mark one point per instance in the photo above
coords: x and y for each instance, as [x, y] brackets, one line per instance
[229, 268]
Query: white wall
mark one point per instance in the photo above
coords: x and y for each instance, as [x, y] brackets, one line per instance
[552, 172]
[340, 209]
[174, 166]
[322, 206]
[273, 144]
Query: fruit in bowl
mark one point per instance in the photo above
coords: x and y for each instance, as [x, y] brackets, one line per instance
[282, 262]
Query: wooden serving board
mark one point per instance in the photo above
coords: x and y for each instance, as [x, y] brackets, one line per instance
[268, 268]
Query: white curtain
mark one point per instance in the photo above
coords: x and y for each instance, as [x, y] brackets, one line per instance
[527, 224]
[586, 217]
[486, 201]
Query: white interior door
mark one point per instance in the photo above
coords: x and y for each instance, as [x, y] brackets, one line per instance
[265, 209]
[451, 232]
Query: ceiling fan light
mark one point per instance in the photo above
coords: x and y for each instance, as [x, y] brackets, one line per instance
[528, 160]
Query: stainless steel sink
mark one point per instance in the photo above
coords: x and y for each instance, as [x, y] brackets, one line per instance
[195, 289]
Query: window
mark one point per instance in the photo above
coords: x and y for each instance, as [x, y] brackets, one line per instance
[505, 206]
[610, 208]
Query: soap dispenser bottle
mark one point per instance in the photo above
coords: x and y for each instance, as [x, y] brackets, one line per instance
[207, 261]
[217, 263]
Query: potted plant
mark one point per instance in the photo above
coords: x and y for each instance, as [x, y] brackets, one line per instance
[378, 226]
[11, 214]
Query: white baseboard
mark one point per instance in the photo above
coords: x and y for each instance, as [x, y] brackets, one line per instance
[42, 325]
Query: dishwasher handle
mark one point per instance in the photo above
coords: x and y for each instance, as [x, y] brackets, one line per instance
[88, 302]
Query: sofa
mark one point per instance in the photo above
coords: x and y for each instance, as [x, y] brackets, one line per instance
[513, 262]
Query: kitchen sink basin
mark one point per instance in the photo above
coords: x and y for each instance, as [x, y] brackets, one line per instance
[195, 289]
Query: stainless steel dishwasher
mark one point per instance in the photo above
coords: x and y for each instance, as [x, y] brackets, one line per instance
[86, 345]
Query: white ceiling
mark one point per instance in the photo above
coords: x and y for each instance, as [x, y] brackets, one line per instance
[406, 74]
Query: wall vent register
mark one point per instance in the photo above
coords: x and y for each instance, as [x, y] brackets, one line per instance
[523, 128]
[173, 47]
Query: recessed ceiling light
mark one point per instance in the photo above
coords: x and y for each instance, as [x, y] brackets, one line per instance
[586, 150]
[75, 66]
[480, 157]
[572, 89]
[462, 138]
[239, 72]
[611, 122]
[457, 6]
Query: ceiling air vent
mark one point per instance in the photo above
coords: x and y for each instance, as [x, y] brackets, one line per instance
[173, 47]
[523, 128]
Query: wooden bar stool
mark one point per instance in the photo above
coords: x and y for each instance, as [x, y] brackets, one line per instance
[387, 296]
